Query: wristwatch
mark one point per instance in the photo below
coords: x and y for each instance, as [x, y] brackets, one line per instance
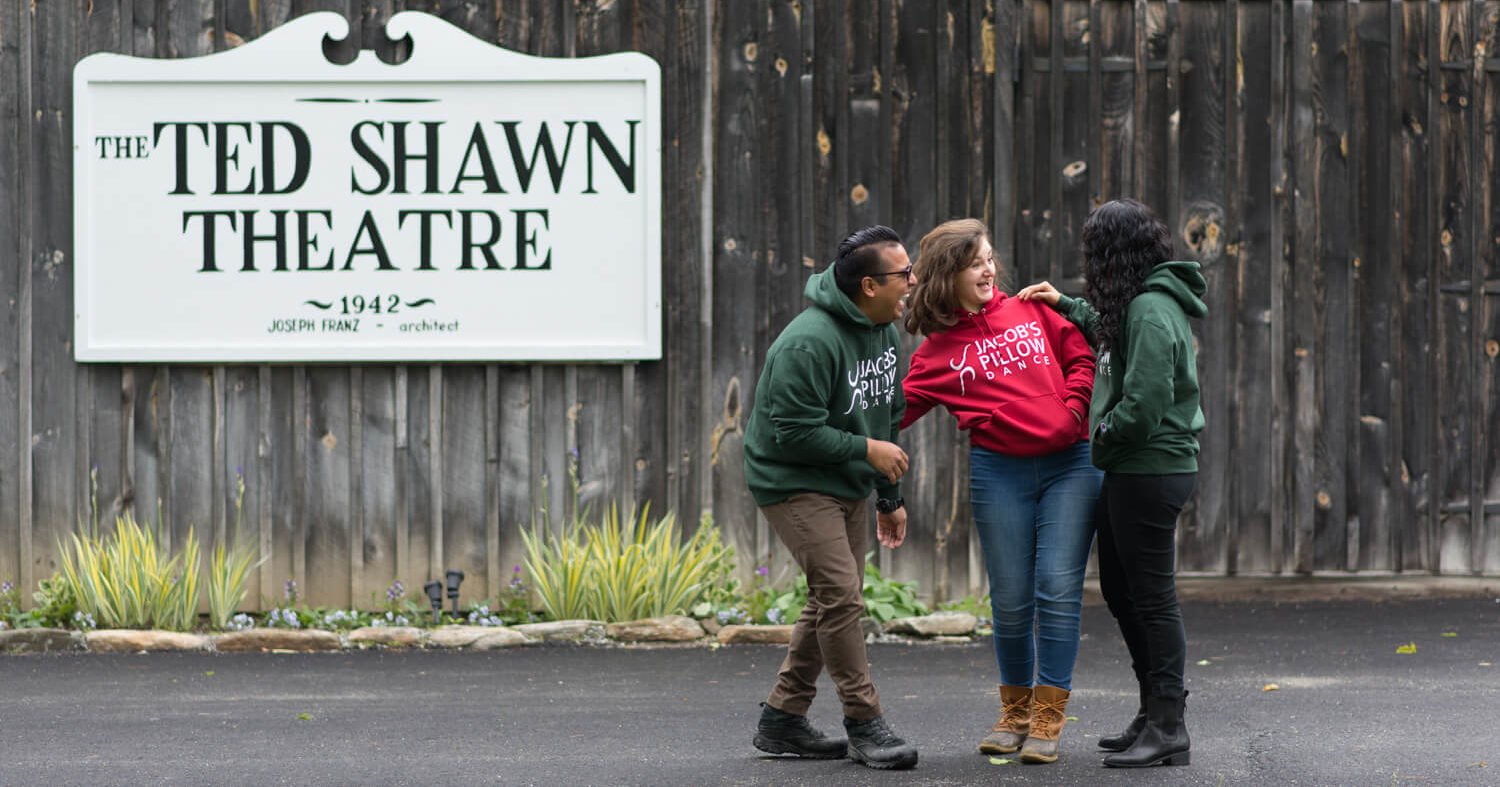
[887, 505]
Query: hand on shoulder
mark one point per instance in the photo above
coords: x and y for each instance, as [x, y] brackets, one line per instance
[1041, 291]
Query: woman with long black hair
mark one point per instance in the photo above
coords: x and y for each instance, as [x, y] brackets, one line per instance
[1144, 425]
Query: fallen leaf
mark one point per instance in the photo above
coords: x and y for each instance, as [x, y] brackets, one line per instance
[1450, 633]
[1270, 687]
[1001, 761]
[210, 673]
[1071, 718]
[1484, 664]
[304, 717]
[1408, 648]
[1204, 662]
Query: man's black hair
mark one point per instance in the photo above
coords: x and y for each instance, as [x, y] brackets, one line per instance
[859, 256]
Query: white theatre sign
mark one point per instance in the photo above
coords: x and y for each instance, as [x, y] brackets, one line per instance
[264, 204]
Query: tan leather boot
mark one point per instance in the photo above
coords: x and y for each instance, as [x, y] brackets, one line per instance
[1049, 712]
[1014, 722]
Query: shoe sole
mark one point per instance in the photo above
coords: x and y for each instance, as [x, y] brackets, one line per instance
[993, 749]
[770, 746]
[894, 765]
[1180, 758]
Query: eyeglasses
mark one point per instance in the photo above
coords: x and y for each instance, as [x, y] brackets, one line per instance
[903, 273]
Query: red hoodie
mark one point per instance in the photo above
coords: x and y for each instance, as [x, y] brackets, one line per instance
[1017, 375]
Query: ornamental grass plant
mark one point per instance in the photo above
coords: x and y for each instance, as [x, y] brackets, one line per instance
[127, 579]
[229, 568]
[623, 567]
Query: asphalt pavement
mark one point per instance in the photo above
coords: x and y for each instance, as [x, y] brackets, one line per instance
[1348, 709]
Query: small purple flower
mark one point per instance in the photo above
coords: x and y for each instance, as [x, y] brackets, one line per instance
[774, 615]
[395, 592]
[764, 571]
[291, 589]
[6, 586]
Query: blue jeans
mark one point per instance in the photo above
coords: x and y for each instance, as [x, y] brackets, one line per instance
[1035, 517]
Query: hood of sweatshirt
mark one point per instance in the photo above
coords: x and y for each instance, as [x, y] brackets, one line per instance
[1183, 281]
[823, 290]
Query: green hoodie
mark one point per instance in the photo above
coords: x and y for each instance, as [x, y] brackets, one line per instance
[1145, 416]
[831, 379]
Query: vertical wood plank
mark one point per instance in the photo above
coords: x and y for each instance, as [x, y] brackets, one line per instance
[1328, 301]
[262, 488]
[1256, 518]
[47, 287]
[918, 143]
[1233, 235]
[354, 498]
[1456, 298]
[1370, 453]
[461, 423]
[516, 483]
[1487, 270]
[240, 394]
[17, 184]
[1057, 76]
[1198, 213]
[491, 489]
[1008, 26]
[736, 348]
[1140, 138]
[436, 526]
[1303, 313]
[377, 501]
[327, 434]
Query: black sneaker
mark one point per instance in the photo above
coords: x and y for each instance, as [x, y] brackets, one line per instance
[873, 743]
[780, 732]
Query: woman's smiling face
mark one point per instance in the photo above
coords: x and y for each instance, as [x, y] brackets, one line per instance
[975, 285]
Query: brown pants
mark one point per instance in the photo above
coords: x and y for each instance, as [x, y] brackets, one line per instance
[826, 536]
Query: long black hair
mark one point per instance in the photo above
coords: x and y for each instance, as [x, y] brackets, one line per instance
[1122, 241]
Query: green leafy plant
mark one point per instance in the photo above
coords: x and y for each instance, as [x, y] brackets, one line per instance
[229, 568]
[888, 599]
[55, 602]
[978, 606]
[787, 606]
[127, 580]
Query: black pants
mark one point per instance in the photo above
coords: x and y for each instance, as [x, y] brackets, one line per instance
[1136, 520]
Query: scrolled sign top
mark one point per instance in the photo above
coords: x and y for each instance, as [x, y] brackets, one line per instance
[265, 204]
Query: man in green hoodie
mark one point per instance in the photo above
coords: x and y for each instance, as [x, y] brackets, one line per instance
[1145, 421]
[828, 407]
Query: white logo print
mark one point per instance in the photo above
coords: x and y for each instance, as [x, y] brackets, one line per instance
[873, 381]
[964, 370]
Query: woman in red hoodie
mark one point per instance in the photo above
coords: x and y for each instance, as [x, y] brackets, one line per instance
[1017, 376]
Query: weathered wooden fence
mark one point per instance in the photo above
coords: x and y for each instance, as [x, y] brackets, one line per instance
[1331, 164]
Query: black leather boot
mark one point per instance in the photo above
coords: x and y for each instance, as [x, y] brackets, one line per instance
[780, 732]
[873, 743]
[1163, 741]
[1122, 740]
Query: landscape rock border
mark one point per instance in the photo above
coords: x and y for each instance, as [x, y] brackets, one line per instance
[680, 631]
[668, 631]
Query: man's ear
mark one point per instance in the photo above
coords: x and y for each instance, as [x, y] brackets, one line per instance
[868, 286]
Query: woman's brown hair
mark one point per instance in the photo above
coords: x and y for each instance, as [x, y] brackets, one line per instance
[942, 254]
